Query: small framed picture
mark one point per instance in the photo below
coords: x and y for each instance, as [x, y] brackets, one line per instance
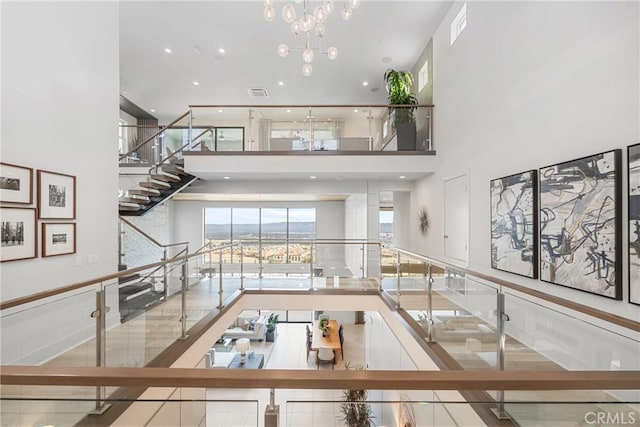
[16, 184]
[17, 233]
[58, 238]
[56, 195]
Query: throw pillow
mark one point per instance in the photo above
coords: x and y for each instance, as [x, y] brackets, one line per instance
[252, 325]
[245, 326]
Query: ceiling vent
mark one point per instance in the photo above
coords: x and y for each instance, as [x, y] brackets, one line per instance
[258, 93]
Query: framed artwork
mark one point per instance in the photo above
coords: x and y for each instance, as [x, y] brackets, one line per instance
[58, 238]
[633, 158]
[229, 139]
[514, 221]
[56, 195]
[17, 233]
[580, 224]
[16, 184]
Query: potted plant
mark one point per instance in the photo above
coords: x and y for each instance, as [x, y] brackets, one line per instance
[355, 409]
[403, 118]
[270, 327]
[323, 325]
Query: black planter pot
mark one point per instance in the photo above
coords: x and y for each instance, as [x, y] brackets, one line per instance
[406, 136]
[270, 336]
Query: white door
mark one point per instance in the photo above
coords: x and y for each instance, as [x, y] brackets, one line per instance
[456, 218]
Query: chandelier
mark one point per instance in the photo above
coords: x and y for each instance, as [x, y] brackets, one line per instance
[310, 25]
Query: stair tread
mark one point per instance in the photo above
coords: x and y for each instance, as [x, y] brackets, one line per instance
[144, 192]
[154, 184]
[133, 201]
[165, 176]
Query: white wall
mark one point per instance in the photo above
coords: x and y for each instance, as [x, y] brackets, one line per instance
[402, 218]
[528, 84]
[60, 84]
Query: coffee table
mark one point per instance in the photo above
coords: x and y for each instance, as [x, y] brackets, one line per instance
[255, 362]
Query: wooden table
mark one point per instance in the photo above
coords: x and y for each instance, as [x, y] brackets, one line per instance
[332, 340]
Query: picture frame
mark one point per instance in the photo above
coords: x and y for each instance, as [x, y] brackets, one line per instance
[581, 224]
[56, 195]
[514, 223]
[18, 234]
[16, 184]
[633, 194]
[58, 238]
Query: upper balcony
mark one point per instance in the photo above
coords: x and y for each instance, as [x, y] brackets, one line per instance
[291, 142]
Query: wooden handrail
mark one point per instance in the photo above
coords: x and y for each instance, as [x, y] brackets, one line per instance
[122, 156]
[154, 241]
[312, 379]
[591, 311]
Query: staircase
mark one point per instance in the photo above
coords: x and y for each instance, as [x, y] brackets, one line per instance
[158, 186]
[136, 295]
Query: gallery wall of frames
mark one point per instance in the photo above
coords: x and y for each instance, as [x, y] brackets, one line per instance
[51, 222]
[563, 224]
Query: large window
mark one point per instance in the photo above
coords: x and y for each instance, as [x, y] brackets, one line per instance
[271, 227]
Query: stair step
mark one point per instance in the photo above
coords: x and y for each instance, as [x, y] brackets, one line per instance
[165, 177]
[134, 200]
[129, 206]
[152, 192]
[155, 184]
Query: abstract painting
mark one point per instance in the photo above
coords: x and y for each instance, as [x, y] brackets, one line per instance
[633, 156]
[580, 224]
[514, 224]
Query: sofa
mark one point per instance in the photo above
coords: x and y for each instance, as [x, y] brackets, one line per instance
[252, 327]
[222, 359]
[459, 328]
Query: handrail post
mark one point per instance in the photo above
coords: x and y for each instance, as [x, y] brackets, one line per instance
[398, 271]
[430, 302]
[380, 265]
[183, 317]
[272, 411]
[241, 266]
[311, 267]
[220, 278]
[500, 349]
[260, 259]
[121, 244]
[165, 274]
[190, 120]
[100, 314]
[210, 271]
[363, 261]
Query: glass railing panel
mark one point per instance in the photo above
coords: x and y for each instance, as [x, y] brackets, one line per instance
[54, 331]
[317, 128]
[541, 338]
[150, 320]
[388, 267]
[138, 250]
[465, 320]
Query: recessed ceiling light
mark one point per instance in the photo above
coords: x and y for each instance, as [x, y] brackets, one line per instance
[227, 177]
[152, 110]
[312, 177]
[124, 92]
[167, 50]
[196, 83]
[365, 83]
[280, 83]
[402, 177]
[288, 111]
[221, 50]
[355, 111]
[219, 111]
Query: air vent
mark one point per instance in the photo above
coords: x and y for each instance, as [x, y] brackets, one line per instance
[258, 93]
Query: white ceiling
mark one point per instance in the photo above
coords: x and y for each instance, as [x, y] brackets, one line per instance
[195, 30]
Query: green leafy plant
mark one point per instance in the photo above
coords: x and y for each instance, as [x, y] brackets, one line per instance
[323, 324]
[272, 323]
[399, 88]
[355, 410]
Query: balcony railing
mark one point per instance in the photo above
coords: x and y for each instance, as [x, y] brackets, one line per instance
[508, 339]
[320, 129]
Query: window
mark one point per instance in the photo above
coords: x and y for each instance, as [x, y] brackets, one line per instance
[386, 226]
[271, 226]
[423, 76]
[459, 23]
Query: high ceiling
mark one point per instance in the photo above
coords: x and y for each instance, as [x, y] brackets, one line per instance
[380, 35]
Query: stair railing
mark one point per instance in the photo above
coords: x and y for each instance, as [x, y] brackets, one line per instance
[153, 137]
[165, 254]
[172, 154]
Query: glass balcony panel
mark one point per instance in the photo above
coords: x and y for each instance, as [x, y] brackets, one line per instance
[27, 337]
